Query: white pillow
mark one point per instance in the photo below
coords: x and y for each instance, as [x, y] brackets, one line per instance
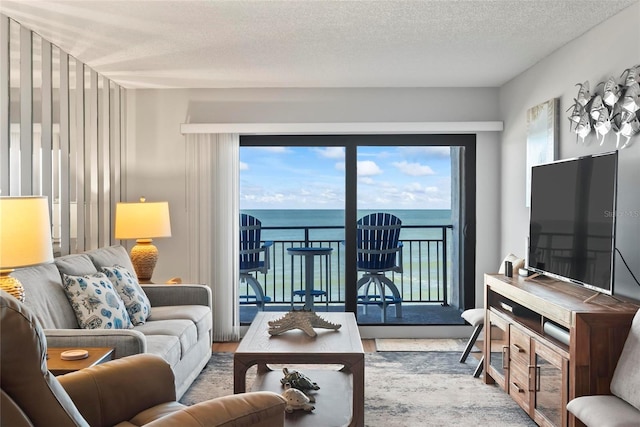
[131, 293]
[95, 302]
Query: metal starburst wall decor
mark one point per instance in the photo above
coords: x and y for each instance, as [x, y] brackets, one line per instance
[614, 105]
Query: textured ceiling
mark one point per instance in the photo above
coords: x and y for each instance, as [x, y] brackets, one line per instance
[305, 43]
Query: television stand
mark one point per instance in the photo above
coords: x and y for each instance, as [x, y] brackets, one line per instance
[533, 276]
[551, 346]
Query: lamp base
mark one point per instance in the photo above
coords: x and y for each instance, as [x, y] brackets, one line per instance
[11, 285]
[144, 256]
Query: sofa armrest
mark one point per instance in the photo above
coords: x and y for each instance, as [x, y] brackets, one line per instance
[162, 295]
[257, 409]
[125, 342]
[116, 391]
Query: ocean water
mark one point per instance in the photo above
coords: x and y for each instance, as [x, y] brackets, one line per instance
[334, 218]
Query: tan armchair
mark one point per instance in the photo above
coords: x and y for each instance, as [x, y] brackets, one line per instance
[133, 391]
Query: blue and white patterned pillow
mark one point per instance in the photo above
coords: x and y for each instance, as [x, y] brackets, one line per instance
[95, 302]
[131, 293]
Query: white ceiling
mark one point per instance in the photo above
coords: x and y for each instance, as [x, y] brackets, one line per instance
[307, 43]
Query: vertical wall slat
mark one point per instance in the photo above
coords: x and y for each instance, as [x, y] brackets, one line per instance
[79, 154]
[91, 162]
[46, 134]
[115, 154]
[104, 224]
[5, 135]
[65, 201]
[26, 112]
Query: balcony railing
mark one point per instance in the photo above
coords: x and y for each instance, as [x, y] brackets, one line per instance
[426, 263]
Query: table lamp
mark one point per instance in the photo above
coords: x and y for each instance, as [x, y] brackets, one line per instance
[25, 238]
[143, 221]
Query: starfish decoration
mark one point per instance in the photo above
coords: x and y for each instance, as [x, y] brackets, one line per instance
[304, 320]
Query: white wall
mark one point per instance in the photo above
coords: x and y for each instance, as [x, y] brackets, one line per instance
[606, 50]
[155, 152]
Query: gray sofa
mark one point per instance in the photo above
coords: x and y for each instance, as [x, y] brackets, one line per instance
[179, 328]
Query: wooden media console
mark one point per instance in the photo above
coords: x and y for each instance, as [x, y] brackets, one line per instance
[545, 345]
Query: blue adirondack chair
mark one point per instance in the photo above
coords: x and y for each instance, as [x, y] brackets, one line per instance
[379, 251]
[252, 260]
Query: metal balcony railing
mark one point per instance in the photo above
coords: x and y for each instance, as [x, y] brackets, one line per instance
[426, 263]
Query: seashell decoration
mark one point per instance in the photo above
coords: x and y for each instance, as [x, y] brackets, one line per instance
[613, 106]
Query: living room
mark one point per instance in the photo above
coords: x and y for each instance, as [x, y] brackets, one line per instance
[155, 160]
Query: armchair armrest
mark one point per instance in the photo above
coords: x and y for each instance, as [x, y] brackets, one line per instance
[122, 389]
[162, 295]
[116, 391]
[257, 409]
[125, 342]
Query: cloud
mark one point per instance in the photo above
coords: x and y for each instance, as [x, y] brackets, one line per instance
[244, 166]
[366, 180]
[368, 168]
[413, 169]
[331, 152]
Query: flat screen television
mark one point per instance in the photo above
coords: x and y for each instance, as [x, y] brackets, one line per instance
[572, 222]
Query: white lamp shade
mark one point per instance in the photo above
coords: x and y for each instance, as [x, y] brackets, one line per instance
[142, 220]
[25, 232]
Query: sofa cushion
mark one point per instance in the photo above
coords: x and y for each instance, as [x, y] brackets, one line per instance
[129, 290]
[75, 265]
[45, 296]
[95, 302]
[111, 255]
[198, 314]
[165, 346]
[626, 378]
[184, 330]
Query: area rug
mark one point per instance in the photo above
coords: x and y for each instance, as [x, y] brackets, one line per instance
[426, 344]
[402, 389]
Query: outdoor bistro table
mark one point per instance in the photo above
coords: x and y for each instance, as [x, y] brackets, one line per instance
[309, 253]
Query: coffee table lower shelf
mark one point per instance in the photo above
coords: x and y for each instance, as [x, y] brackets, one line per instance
[334, 400]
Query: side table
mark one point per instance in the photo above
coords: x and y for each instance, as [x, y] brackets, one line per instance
[308, 253]
[57, 366]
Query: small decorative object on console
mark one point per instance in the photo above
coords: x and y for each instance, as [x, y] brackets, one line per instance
[304, 320]
[296, 400]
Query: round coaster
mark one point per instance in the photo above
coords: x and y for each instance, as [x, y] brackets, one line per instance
[74, 354]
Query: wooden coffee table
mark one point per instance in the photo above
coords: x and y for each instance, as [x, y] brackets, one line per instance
[340, 400]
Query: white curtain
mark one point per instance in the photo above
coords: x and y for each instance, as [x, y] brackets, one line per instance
[213, 207]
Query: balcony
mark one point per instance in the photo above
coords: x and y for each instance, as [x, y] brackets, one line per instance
[423, 284]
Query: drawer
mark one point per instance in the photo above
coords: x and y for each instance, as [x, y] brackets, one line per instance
[519, 347]
[519, 385]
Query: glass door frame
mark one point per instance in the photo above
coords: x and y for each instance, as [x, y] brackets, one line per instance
[467, 143]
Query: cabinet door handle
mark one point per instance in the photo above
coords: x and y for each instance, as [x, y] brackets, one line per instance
[505, 357]
[518, 348]
[520, 389]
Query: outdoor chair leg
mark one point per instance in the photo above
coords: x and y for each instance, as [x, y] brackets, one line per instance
[470, 343]
[479, 368]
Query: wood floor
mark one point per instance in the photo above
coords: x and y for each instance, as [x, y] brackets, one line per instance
[369, 346]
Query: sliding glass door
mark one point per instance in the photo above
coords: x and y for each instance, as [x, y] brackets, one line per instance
[313, 190]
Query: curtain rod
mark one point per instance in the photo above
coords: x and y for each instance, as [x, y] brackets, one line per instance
[341, 128]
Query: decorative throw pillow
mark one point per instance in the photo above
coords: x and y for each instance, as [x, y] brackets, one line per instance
[95, 302]
[131, 293]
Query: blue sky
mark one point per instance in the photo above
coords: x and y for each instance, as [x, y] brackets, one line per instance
[313, 178]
